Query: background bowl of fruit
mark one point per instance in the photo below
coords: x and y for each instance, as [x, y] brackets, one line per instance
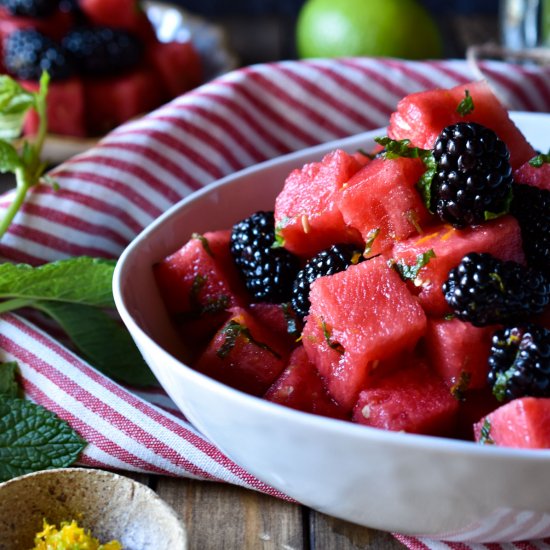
[108, 60]
[368, 387]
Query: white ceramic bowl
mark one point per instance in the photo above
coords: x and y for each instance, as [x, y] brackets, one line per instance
[421, 485]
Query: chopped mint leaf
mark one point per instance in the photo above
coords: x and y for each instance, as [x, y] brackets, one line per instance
[493, 215]
[371, 237]
[232, 331]
[204, 241]
[336, 346]
[80, 280]
[279, 239]
[485, 435]
[33, 438]
[466, 106]
[424, 184]
[9, 386]
[101, 340]
[501, 382]
[459, 388]
[398, 148]
[539, 160]
[410, 272]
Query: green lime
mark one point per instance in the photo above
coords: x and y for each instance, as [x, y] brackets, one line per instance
[377, 28]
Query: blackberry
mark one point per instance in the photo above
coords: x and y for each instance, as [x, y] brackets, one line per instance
[485, 290]
[30, 8]
[268, 272]
[327, 262]
[531, 207]
[28, 52]
[519, 362]
[473, 175]
[99, 50]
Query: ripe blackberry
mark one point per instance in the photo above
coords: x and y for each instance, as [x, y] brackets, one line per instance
[101, 50]
[485, 290]
[531, 207]
[268, 272]
[28, 52]
[473, 174]
[30, 8]
[519, 362]
[327, 262]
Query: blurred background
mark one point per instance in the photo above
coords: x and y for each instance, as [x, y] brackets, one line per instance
[270, 24]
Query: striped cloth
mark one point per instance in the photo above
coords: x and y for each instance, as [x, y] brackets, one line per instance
[108, 194]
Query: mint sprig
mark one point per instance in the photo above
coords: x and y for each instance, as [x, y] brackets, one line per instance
[410, 272]
[466, 106]
[31, 437]
[25, 163]
[75, 293]
[539, 160]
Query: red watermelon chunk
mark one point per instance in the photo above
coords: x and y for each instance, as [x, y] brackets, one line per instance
[65, 111]
[280, 319]
[535, 176]
[358, 318]
[500, 237]
[178, 65]
[110, 101]
[413, 399]
[198, 284]
[244, 355]
[459, 352]
[306, 211]
[382, 200]
[420, 117]
[301, 387]
[523, 423]
[474, 405]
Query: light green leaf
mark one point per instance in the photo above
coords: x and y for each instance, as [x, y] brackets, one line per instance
[33, 438]
[103, 341]
[9, 159]
[80, 280]
[9, 386]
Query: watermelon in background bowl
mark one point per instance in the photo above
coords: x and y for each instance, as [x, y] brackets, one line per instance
[423, 485]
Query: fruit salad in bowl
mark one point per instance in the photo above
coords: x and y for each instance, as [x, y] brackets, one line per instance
[108, 61]
[364, 324]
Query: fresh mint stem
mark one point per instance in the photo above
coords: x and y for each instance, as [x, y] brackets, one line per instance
[15, 303]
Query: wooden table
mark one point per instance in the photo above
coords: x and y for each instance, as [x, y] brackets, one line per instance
[225, 517]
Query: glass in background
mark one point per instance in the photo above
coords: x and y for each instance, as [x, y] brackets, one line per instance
[525, 24]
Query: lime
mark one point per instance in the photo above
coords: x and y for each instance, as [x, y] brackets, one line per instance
[378, 28]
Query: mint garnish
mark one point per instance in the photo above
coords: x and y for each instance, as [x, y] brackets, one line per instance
[466, 106]
[33, 438]
[410, 272]
[232, 331]
[8, 380]
[485, 434]
[204, 241]
[539, 160]
[336, 346]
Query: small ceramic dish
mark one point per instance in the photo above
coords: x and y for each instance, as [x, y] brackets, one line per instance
[435, 487]
[111, 506]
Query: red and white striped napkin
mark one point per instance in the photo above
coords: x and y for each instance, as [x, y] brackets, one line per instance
[108, 194]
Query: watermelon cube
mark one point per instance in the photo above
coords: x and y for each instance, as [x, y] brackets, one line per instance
[110, 101]
[413, 399]
[531, 175]
[382, 200]
[301, 387]
[281, 320]
[244, 355]
[421, 116]
[523, 423]
[199, 284]
[65, 109]
[307, 216]
[358, 318]
[177, 64]
[500, 237]
[459, 352]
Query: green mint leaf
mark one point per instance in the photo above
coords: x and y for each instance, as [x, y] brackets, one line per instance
[279, 239]
[9, 159]
[539, 160]
[466, 106]
[459, 388]
[424, 184]
[336, 346]
[485, 435]
[232, 331]
[33, 438]
[505, 209]
[371, 237]
[9, 387]
[399, 148]
[204, 241]
[81, 280]
[101, 340]
[410, 272]
[14, 104]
